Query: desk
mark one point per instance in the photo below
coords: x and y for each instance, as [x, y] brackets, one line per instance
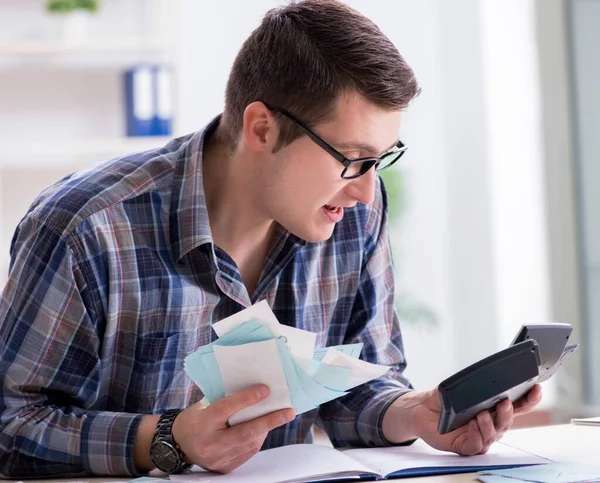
[562, 443]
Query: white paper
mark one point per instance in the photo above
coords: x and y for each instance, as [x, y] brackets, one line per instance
[300, 342]
[420, 454]
[362, 371]
[295, 462]
[246, 365]
[260, 311]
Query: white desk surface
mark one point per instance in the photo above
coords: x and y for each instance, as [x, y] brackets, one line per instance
[562, 443]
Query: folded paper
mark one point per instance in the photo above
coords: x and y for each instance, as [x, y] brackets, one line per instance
[254, 348]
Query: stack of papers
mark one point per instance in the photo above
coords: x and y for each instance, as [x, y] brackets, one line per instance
[254, 348]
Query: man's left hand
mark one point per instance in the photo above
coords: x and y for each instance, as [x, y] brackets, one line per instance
[416, 414]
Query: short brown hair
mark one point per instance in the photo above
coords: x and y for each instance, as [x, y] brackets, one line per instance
[303, 56]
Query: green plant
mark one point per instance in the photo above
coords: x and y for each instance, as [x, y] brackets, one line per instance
[65, 6]
[394, 186]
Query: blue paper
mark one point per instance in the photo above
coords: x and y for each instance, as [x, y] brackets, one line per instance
[202, 365]
[300, 398]
[251, 331]
[352, 350]
[206, 373]
[308, 390]
[494, 479]
[317, 392]
[550, 473]
[333, 377]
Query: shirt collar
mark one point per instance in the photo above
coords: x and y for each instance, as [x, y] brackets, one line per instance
[190, 226]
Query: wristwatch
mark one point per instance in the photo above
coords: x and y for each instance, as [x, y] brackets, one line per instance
[165, 453]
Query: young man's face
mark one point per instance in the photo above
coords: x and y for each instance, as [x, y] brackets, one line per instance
[302, 185]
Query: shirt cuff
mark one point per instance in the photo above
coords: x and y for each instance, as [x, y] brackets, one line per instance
[107, 443]
[369, 424]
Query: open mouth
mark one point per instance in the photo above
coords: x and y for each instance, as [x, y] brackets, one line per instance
[333, 213]
[333, 209]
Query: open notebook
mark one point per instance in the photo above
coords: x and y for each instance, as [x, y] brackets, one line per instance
[302, 463]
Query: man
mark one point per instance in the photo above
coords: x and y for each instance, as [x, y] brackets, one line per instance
[118, 272]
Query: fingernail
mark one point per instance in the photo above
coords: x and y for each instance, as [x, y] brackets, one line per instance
[263, 391]
[288, 416]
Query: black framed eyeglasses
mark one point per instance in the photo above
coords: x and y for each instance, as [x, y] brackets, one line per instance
[353, 168]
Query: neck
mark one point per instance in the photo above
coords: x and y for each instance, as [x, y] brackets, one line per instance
[238, 221]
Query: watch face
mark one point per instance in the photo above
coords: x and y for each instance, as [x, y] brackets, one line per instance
[164, 455]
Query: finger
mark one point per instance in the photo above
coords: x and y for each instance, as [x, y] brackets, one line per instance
[226, 407]
[484, 450]
[529, 401]
[487, 428]
[504, 418]
[470, 442]
[251, 430]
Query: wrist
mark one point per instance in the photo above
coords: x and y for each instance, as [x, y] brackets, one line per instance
[143, 440]
[401, 421]
[165, 452]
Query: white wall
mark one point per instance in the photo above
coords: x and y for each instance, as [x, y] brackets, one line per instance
[210, 36]
[515, 152]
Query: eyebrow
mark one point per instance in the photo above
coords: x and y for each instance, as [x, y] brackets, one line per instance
[363, 147]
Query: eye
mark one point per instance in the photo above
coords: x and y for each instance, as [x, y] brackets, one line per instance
[353, 154]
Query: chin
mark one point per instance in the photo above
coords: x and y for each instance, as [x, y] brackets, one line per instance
[313, 235]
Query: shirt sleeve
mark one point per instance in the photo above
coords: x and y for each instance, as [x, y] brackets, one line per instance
[50, 368]
[356, 419]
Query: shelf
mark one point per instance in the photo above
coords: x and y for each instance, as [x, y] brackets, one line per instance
[41, 153]
[50, 47]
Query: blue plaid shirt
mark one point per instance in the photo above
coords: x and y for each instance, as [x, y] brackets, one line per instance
[114, 279]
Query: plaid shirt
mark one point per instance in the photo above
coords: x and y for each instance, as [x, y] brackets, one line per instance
[114, 279]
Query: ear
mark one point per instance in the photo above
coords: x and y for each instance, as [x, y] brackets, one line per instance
[260, 128]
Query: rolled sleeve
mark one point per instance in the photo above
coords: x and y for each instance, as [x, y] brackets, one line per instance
[369, 423]
[107, 443]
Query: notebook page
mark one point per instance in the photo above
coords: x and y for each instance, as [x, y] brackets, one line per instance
[297, 462]
[420, 455]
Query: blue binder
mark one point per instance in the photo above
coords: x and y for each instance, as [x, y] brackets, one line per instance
[139, 100]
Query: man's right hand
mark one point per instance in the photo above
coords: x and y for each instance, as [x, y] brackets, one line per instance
[203, 436]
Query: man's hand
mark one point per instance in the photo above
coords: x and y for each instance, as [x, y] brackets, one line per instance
[203, 436]
[416, 415]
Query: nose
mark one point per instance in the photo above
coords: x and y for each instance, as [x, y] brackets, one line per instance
[362, 189]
